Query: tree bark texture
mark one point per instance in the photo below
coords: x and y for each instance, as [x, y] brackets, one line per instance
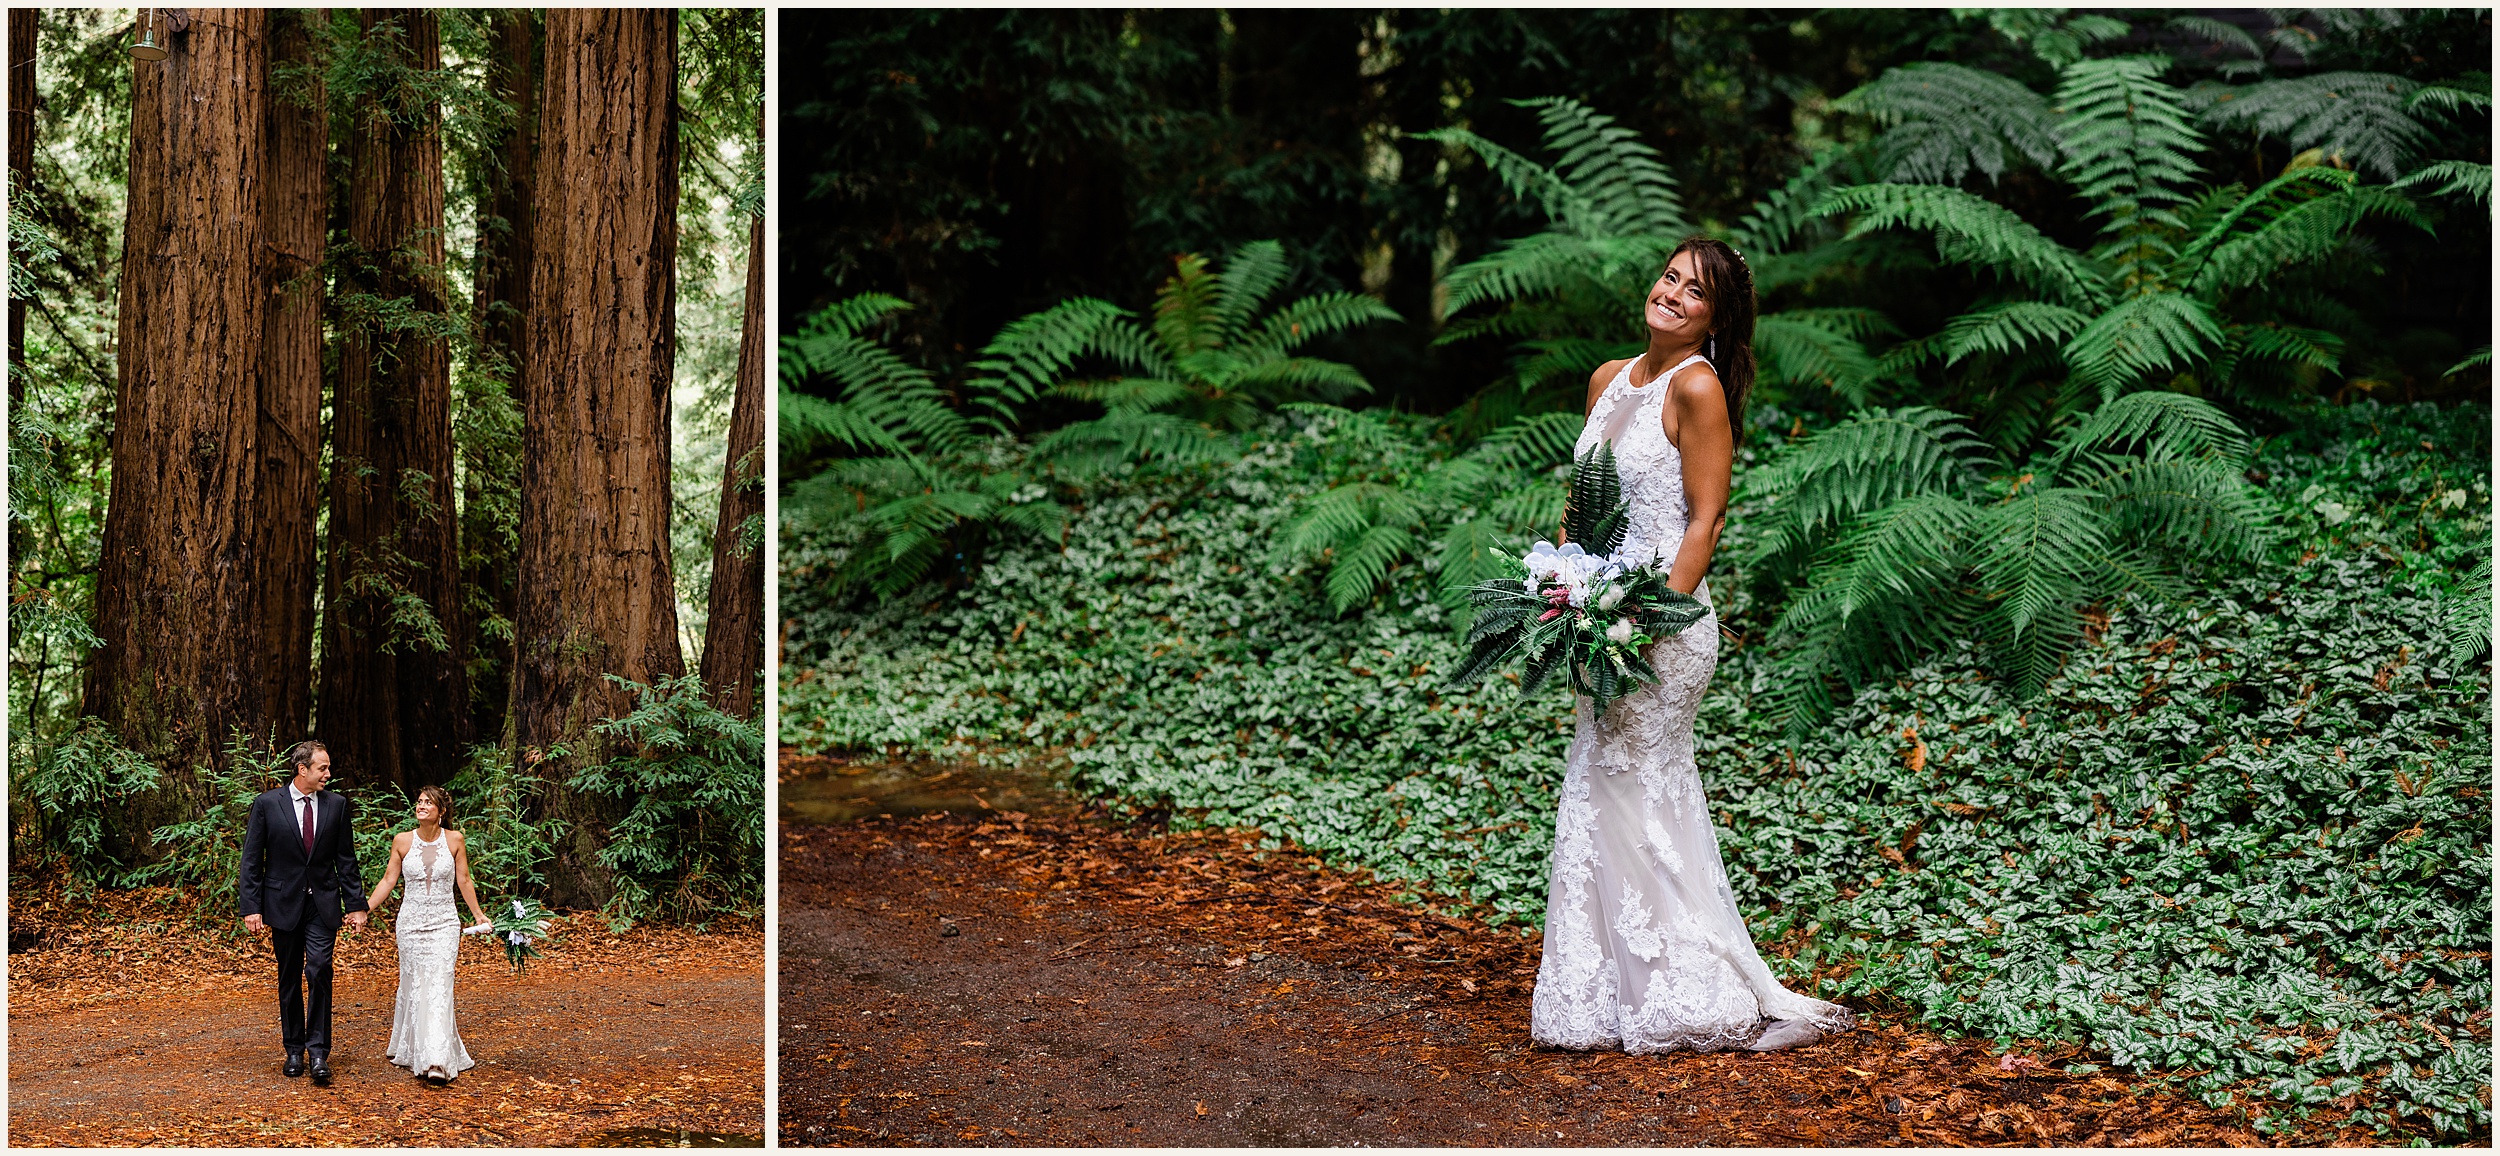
[490, 456]
[297, 212]
[394, 696]
[21, 158]
[184, 555]
[596, 593]
[733, 630]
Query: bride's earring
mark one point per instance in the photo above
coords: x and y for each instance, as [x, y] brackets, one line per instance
[1711, 353]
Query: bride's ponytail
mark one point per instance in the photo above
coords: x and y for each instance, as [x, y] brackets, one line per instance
[1725, 277]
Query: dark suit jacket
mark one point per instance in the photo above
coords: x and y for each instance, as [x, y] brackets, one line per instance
[288, 888]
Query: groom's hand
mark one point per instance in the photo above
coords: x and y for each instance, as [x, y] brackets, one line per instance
[253, 921]
[356, 919]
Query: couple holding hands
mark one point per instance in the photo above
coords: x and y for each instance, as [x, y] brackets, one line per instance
[299, 883]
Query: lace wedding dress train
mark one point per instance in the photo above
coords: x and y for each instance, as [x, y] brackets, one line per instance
[425, 1036]
[1644, 947]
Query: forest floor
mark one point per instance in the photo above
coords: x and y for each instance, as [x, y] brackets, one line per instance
[973, 975]
[127, 1027]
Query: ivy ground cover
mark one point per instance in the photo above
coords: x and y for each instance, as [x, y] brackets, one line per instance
[2243, 838]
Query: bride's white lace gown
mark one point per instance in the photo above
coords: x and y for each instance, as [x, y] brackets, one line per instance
[1644, 948]
[425, 1037]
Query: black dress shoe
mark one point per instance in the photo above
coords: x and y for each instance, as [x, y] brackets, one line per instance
[321, 1069]
[294, 1064]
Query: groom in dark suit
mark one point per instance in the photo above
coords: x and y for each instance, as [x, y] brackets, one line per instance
[299, 881]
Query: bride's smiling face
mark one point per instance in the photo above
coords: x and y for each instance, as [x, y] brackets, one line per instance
[1679, 304]
[427, 812]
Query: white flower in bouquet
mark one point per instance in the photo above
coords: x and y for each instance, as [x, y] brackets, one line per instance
[1620, 632]
[1612, 598]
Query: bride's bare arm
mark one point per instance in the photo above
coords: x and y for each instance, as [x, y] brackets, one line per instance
[390, 871]
[460, 872]
[1696, 421]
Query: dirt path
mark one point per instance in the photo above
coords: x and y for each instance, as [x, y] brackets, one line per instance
[1027, 979]
[647, 1038]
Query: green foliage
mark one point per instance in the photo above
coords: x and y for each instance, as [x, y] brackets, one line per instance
[2257, 817]
[2363, 120]
[1954, 120]
[691, 848]
[490, 798]
[1913, 544]
[61, 798]
[204, 853]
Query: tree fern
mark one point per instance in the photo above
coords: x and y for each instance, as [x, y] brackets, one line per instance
[1974, 231]
[1948, 120]
[2365, 119]
[1855, 468]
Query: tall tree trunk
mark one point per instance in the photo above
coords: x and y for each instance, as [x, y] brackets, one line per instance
[21, 161]
[296, 213]
[596, 594]
[184, 556]
[490, 431]
[394, 699]
[733, 630]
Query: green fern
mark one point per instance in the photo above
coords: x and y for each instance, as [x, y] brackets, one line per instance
[1948, 121]
[1912, 546]
[2364, 119]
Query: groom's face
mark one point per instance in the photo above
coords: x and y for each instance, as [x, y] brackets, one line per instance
[312, 775]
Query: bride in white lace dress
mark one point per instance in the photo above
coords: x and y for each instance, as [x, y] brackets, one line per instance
[425, 1036]
[1644, 947]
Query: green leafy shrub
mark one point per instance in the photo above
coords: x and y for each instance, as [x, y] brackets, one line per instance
[204, 854]
[490, 803]
[691, 847]
[60, 798]
[2256, 819]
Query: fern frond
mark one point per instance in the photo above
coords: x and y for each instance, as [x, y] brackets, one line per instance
[1801, 347]
[1031, 352]
[1534, 184]
[1336, 517]
[1627, 188]
[2203, 507]
[1596, 515]
[1299, 377]
[1894, 564]
[2161, 426]
[2008, 328]
[1771, 224]
[1089, 446]
[1254, 271]
[2469, 178]
[1946, 120]
[2038, 556]
[2317, 348]
[1974, 231]
[1185, 318]
[2145, 337]
[1361, 565]
[2300, 233]
[2465, 610]
[1311, 317]
[1534, 442]
[2480, 358]
[1870, 461]
[2363, 118]
[1469, 554]
[2129, 140]
[1126, 394]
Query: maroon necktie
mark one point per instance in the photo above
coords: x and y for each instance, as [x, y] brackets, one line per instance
[307, 826]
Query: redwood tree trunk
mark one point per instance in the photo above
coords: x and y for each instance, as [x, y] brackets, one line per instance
[394, 699]
[490, 441]
[296, 213]
[21, 159]
[733, 631]
[184, 555]
[596, 595]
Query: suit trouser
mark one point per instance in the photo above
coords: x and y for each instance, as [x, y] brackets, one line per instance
[304, 961]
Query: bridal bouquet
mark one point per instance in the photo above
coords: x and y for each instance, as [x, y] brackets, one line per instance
[1589, 614]
[521, 931]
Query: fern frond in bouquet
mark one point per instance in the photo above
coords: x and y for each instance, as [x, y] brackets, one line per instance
[522, 932]
[1588, 615]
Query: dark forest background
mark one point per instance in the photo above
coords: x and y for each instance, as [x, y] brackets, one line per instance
[983, 166]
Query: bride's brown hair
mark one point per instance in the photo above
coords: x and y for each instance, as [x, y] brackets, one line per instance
[1729, 285]
[442, 804]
